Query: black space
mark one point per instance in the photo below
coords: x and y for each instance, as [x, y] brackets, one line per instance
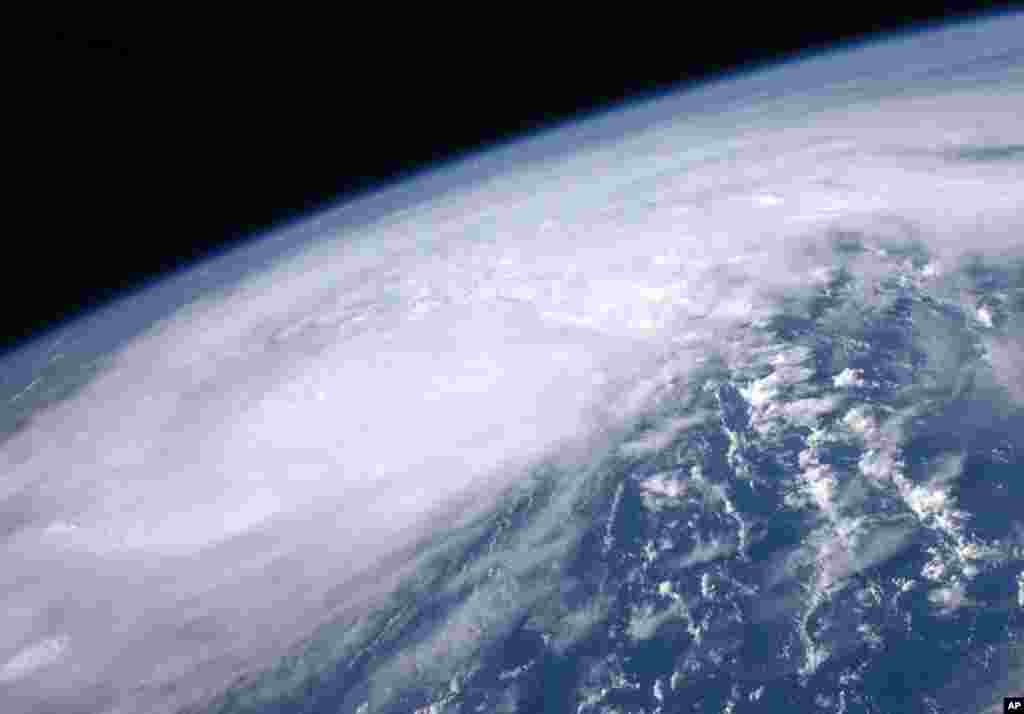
[146, 156]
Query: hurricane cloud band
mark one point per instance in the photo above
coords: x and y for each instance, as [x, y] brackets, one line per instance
[265, 458]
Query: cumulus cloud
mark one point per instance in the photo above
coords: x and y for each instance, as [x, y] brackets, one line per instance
[949, 599]
[849, 378]
[707, 551]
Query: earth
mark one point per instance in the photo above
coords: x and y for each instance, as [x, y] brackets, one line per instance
[712, 403]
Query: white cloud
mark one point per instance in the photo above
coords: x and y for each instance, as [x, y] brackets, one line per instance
[34, 657]
[665, 485]
[951, 598]
[1005, 356]
[707, 551]
[849, 378]
[662, 435]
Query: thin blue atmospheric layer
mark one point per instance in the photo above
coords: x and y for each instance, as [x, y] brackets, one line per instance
[831, 522]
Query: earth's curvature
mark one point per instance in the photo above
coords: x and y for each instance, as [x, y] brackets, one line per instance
[713, 404]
